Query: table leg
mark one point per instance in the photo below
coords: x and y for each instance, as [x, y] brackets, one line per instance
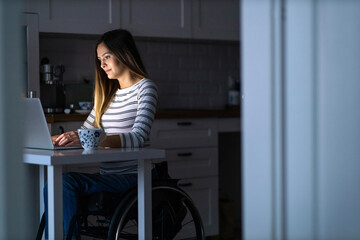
[144, 199]
[55, 213]
[41, 191]
[41, 188]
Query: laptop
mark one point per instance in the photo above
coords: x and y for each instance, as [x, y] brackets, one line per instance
[37, 134]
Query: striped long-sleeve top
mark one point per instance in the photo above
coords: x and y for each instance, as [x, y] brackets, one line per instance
[130, 115]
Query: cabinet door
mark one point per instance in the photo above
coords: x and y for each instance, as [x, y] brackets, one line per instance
[31, 6]
[192, 162]
[184, 133]
[157, 18]
[229, 124]
[204, 193]
[80, 16]
[215, 19]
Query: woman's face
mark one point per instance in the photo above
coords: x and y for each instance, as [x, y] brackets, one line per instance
[109, 62]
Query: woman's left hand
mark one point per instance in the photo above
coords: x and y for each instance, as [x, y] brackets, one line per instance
[67, 139]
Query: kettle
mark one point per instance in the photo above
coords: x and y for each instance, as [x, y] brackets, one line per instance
[52, 87]
[52, 74]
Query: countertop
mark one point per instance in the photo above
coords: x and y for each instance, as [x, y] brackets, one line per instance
[226, 113]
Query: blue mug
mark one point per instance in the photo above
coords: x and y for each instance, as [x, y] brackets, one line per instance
[91, 138]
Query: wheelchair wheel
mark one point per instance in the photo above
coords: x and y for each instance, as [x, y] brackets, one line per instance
[41, 228]
[174, 216]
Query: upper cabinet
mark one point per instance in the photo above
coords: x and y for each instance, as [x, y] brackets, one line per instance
[215, 19]
[31, 6]
[188, 19]
[157, 18]
[193, 19]
[80, 16]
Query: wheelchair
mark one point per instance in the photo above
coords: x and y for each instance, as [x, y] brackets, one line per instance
[113, 216]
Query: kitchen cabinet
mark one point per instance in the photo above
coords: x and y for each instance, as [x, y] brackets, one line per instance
[184, 133]
[229, 125]
[196, 19]
[215, 19]
[204, 193]
[80, 16]
[157, 18]
[192, 162]
[192, 156]
[31, 6]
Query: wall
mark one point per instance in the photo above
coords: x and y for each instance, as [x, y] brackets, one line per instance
[338, 189]
[301, 119]
[189, 74]
[16, 192]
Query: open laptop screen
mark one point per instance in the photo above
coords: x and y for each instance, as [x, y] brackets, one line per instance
[37, 133]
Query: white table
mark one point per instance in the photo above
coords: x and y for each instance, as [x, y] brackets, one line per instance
[55, 160]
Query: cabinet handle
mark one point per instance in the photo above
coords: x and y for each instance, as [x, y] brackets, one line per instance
[189, 184]
[184, 123]
[187, 154]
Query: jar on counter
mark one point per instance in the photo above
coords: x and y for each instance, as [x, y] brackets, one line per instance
[234, 98]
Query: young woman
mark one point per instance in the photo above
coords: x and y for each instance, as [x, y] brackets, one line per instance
[124, 107]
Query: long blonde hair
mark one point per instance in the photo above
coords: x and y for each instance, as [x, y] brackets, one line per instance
[121, 43]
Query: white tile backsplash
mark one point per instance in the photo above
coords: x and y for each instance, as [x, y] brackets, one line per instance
[199, 75]
[150, 62]
[169, 62]
[157, 48]
[218, 76]
[189, 89]
[178, 49]
[177, 75]
[207, 63]
[200, 101]
[168, 89]
[210, 89]
[198, 49]
[190, 75]
[189, 63]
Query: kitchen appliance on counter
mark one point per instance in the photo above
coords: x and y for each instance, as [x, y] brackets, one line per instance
[52, 88]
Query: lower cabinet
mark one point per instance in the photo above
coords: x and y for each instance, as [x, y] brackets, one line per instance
[197, 169]
[204, 193]
[192, 162]
[192, 155]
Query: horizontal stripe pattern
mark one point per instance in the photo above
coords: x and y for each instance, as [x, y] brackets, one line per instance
[130, 115]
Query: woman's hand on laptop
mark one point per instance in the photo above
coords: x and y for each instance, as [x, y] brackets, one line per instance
[66, 139]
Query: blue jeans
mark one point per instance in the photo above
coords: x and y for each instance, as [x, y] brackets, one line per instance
[81, 184]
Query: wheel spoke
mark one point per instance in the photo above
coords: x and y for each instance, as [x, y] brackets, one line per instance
[183, 225]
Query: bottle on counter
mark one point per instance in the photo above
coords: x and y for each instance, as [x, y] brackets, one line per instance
[233, 92]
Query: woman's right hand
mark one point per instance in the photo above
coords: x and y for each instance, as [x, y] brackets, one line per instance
[66, 139]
